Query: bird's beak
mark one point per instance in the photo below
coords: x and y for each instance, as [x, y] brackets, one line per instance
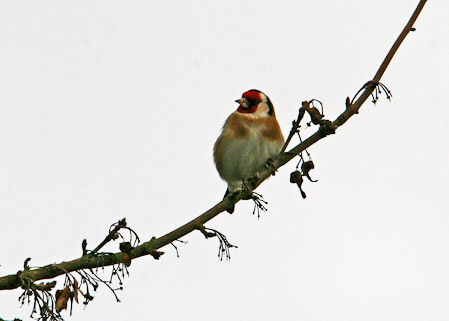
[242, 102]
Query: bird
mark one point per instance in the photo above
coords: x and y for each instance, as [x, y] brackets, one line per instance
[250, 137]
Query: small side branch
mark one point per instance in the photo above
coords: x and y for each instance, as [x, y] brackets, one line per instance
[295, 128]
[223, 250]
[206, 234]
[111, 236]
[176, 248]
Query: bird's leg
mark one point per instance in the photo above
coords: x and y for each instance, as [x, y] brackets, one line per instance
[250, 182]
[270, 165]
[259, 202]
[247, 184]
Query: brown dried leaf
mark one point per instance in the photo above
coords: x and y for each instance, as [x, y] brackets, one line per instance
[62, 299]
[306, 167]
[75, 290]
[126, 247]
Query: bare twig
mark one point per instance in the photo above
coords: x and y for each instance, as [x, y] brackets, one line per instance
[354, 107]
[295, 127]
[112, 234]
[176, 248]
[223, 250]
[206, 234]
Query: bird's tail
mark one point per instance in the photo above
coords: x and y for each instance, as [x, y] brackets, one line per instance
[230, 210]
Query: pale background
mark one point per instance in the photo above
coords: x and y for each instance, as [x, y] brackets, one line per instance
[110, 109]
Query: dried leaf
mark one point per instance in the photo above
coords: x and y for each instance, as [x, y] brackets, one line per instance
[126, 247]
[62, 299]
[296, 178]
[75, 290]
[306, 167]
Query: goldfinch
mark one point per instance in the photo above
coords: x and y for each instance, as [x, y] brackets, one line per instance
[251, 136]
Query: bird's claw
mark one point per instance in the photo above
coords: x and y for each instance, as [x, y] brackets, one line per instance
[270, 165]
[250, 182]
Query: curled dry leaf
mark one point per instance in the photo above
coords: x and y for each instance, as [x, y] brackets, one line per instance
[306, 167]
[315, 115]
[62, 297]
[125, 247]
[296, 178]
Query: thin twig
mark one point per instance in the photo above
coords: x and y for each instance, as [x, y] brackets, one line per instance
[112, 235]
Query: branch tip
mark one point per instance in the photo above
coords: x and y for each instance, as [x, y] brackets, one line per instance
[25, 264]
[84, 247]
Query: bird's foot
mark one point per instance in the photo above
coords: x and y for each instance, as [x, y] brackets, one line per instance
[251, 182]
[270, 165]
[247, 186]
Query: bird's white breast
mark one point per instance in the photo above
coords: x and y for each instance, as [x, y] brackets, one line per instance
[244, 157]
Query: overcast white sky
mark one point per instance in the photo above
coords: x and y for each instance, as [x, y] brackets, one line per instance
[110, 109]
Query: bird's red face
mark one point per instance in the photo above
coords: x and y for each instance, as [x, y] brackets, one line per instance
[249, 102]
[255, 102]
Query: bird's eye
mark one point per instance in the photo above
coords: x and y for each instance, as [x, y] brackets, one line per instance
[252, 102]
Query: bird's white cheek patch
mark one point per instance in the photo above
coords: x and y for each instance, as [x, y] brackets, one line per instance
[262, 108]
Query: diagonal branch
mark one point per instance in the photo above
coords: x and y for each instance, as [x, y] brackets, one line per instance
[354, 108]
[149, 248]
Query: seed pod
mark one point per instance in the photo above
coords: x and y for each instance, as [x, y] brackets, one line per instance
[125, 248]
[296, 178]
[306, 167]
